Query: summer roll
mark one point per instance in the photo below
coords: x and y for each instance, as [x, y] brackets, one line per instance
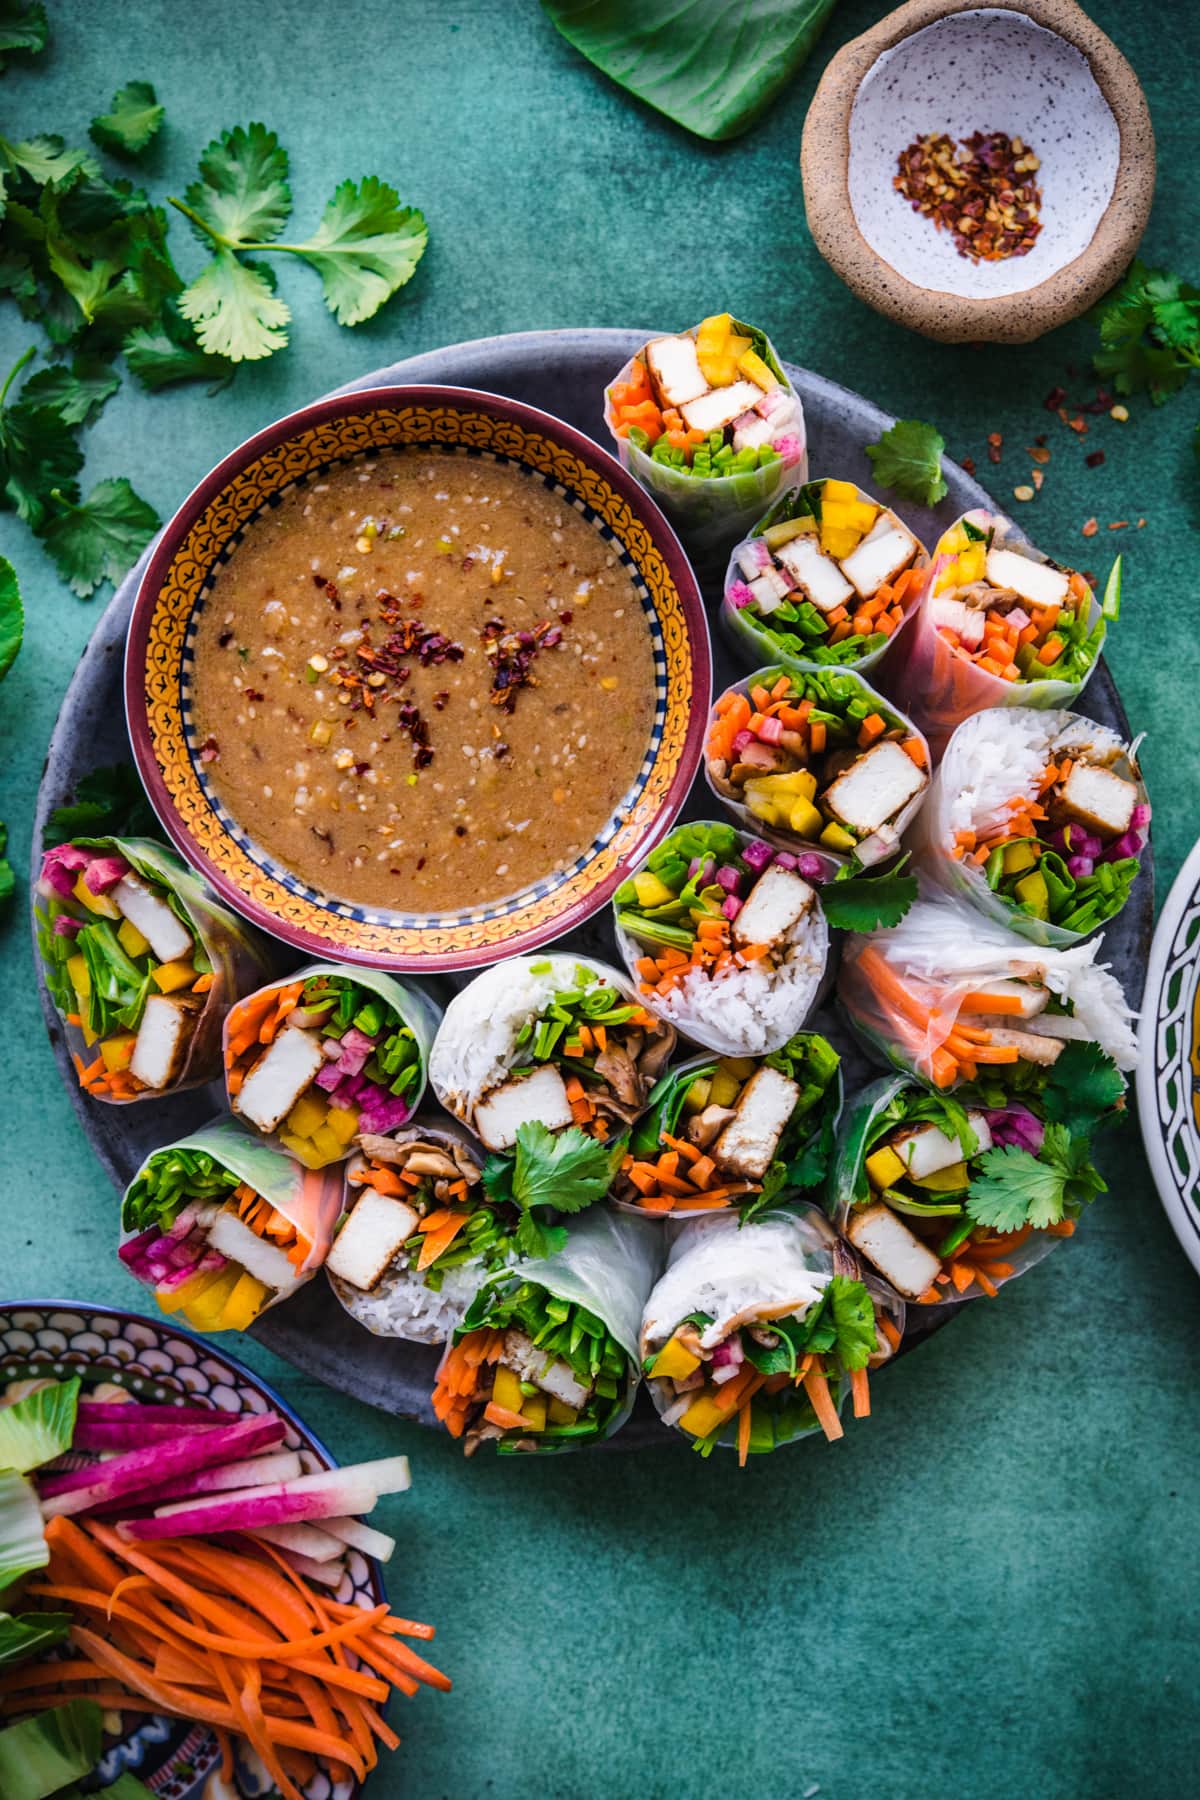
[709, 422]
[820, 759]
[328, 1053]
[725, 937]
[999, 625]
[142, 964]
[1039, 819]
[952, 996]
[735, 1133]
[755, 1331]
[546, 1358]
[222, 1226]
[555, 1040]
[828, 576]
[950, 1196]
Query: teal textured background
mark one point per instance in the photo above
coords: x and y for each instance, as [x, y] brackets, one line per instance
[992, 1587]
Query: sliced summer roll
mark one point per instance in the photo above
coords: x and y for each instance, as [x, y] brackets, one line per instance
[419, 1231]
[1039, 819]
[950, 996]
[820, 759]
[949, 1197]
[755, 1331]
[827, 577]
[999, 625]
[546, 1358]
[222, 1226]
[554, 1040]
[725, 937]
[142, 964]
[330, 1052]
[708, 421]
[735, 1133]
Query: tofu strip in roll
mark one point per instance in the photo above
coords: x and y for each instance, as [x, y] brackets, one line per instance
[755, 1331]
[725, 937]
[222, 1226]
[141, 964]
[827, 577]
[546, 1357]
[949, 1197]
[556, 1040]
[1039, 819]
[821, 759]
[731, 1133]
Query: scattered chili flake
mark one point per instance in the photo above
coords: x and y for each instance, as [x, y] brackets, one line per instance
[1090, 527]
[1141, 524]
[460, 831]
[1118, 524]
[1040, 441]
[1039, 453]
[993, 452]
[410, 720]
[1054, 399]
[440, 699]
[1079, 424]
[983, 192]
[225, 639]
[564, 618]
[254, 695]
[968, 464]
[1094, 458]
[512, 655]
[1037, 478]
[1100, 404]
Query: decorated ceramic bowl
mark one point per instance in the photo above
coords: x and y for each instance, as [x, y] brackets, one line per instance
[150, 1359]
[298, 450]
[1168, 1076]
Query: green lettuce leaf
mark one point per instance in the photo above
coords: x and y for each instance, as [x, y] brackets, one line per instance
[44, 1753]
[12, 618]
[23, 1546]
[39, 1427]
[132, 121]
[711, 65]
[29, 1634]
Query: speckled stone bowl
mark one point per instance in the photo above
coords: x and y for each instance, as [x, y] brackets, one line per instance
[1040, 71]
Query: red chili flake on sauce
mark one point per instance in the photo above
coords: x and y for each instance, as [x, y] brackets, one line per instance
[564, 618]
[983, 192]
[253, 695]
[512, 656]
[209, 750]
[225, 639]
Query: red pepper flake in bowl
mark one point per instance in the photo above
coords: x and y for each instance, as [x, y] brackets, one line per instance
[983, 192]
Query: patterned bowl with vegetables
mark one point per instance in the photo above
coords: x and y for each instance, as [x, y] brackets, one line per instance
[254, 479]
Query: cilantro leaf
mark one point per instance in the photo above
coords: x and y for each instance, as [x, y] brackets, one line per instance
[535, 1239]
[45, 158]
[12, 616]
[1149, 333]
[1082, 1088]
[23, 29]
[109, 802]
[8, 881]
[855, 1340]
[234, 310]
[1015, 1188]
[100, 538]
[866, 904]
[76, 393]
[132, 122]
[243, 195]
[161, 354]
[908, 459]
[38, 454]
[365, 247]
[567, 1170]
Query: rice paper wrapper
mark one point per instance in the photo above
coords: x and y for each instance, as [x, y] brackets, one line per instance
[830, 860]
[850, 1187]
[401, 1304]
[240, 958]
[990, 757]
[476, 1046]
[421, 1014]
[754, 639]
[310, 1198]
[718, 1266]
[766, 1009]
[940, 687]
[709, 513]
[942, 950]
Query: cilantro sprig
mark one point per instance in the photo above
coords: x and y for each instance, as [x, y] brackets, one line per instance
[863, 903]
[1149, 333]
[551, 1172]
[907, 458]
[131, 122]
[12, 630]
[1014, 1188]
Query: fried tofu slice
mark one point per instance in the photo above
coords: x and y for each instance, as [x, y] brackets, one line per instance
[887, 548]
[719, 407]
[896, 1252]
[675, 371]
[815, 574]
[266, 1262]
[163, 930]
[778, 901]
[875, 787]
[1099, 799]
[1030, 1045]
[279, 1078]
[162, 1040]
[368, 1242]
[553, 1376]
[1038, 583]
[748, 1143]
[540, 1097]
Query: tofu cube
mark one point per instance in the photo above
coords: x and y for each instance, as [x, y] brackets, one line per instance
[778, 901]
[887, 548]
[162, 1040]
[816, 575]
[1102, 801]
[896, 1252]
[541, 1096]
[877, 785]
[163, 930]
[675, 370]
[278, 1079]
[769, 589]
[714, 410]
[368, 1242]
[266, 1262]
[748, 1143]
[1035, 582]
[557, 1378]
[927, 1150]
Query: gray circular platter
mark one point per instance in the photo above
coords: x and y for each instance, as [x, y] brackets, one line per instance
[563, 372]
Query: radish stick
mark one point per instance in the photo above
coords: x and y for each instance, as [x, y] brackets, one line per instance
[271, 1506]
[306, 1540]
[362, 1537]
[126, 1475]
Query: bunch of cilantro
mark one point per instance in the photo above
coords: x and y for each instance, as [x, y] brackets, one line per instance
[84, 255]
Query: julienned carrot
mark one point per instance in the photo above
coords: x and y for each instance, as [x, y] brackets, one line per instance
[743, 1433]
[816, 1387]
[860, 1392]
[1009, 1005]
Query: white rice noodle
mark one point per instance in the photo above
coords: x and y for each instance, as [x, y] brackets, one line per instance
[1001, 753]
[734, 1272]
[401, 1306]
